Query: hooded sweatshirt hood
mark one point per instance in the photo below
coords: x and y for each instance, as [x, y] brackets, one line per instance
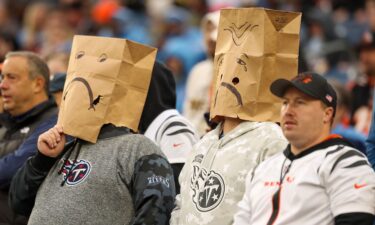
[161, 95]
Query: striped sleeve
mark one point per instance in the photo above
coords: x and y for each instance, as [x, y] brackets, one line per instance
[176, 139]
[349, 181]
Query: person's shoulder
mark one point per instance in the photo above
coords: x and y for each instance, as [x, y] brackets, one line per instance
[338, 147]
[342, 155]
[134, 139]
[264, 129]
[132, 145]
[51, 119]
[46, 109]
[143, 144]
[182, 122]
[211, 135]
[269, 163]
[271, 126]
[45, 123]
[170, 122]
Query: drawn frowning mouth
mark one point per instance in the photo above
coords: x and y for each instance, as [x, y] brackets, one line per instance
[92, 101]
[232, 89]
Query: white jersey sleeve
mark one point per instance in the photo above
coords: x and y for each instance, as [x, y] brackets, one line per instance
[243, 215]
[349, 181]
[173, 134]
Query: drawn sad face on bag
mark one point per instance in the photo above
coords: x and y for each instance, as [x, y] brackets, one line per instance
[107, 82]
[255, 46]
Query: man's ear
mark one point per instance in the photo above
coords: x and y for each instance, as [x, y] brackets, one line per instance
[39, 84]
[328, 115]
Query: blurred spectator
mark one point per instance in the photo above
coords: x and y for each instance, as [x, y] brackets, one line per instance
[339, 60]
[370, 13]
[57, 62]
[370, 142]
[181, 48]
[198, 89]
[350, 27]
[35, 15]
[7, 22]
[157, 9]
[103, 10]
[7, 44]
[341, 124]
[56, 86]
[198, 9]
[77, 14]
[313, 49]
[217, 4]
[363, 88]
[133, 24]
[28, 113]
[57, 33]
[101, 14]
[1, 98]
[130, 21]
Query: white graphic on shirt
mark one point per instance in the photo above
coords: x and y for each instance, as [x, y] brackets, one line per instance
[208, 189]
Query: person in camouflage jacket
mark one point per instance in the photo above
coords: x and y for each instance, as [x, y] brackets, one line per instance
[213, 178]
[122, 179]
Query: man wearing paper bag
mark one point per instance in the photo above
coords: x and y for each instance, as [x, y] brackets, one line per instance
[107, 175]
[254, 45]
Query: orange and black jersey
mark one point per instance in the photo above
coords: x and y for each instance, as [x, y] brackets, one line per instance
[329, 183]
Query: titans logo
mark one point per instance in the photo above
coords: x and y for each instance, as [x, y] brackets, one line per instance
[208, 189]
[76, 172]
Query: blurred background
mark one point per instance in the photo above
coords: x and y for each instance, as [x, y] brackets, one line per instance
[337, 38]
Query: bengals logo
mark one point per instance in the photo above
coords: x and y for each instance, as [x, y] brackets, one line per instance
[305, 78]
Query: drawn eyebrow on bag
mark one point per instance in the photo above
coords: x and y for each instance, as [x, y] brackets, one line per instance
[238, 32]
[92, 101]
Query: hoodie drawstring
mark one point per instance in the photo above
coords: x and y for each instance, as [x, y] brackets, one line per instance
[75, 145]
[68, 153]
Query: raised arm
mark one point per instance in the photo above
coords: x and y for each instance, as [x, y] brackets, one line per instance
[26, 182]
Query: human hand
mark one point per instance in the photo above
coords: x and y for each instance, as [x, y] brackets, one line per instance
[51, 143]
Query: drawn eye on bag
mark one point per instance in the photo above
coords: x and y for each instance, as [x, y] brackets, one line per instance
[92, 102]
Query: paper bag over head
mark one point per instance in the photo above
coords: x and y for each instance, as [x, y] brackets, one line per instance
[255, 46]
[107, 82]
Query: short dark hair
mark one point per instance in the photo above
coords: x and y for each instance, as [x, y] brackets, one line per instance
[37, 67]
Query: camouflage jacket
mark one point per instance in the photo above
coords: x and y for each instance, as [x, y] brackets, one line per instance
[213, 178]
[122, 179]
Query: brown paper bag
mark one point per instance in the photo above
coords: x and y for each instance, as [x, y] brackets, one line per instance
[107, 82]
[255, 46]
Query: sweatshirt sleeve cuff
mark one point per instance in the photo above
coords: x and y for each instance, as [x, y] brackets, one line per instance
[42, 162]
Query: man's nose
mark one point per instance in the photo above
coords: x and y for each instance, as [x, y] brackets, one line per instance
[288, 109]
[3, 84]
